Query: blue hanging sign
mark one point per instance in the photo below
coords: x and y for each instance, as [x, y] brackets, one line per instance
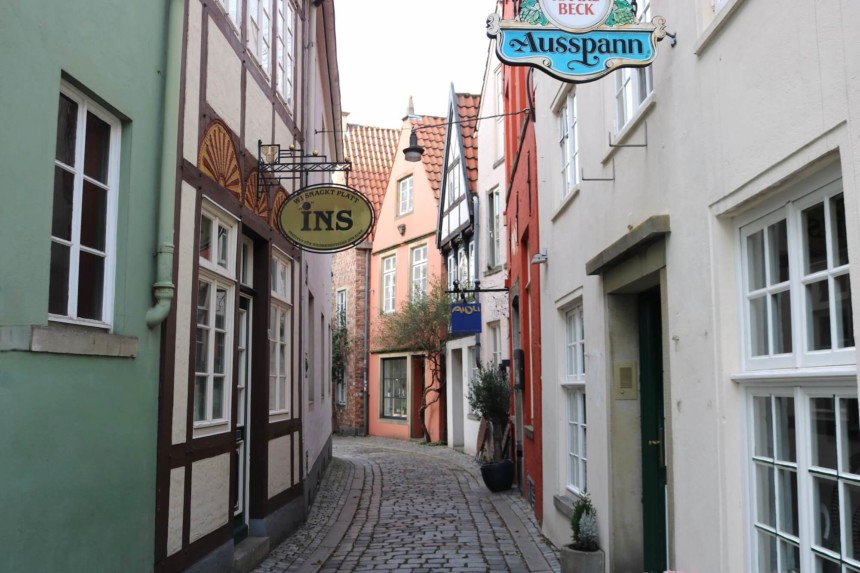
[576, 41]
[465, 318]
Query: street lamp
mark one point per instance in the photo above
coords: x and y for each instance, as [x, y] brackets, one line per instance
[414, 152]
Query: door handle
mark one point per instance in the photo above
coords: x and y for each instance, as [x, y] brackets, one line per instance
[659, 443]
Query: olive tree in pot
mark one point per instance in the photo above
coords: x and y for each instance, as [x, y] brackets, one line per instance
[583, 555]
[490, 397]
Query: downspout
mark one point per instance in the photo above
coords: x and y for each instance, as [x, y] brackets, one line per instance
[366, 337]
[476, 238]
[163, 289]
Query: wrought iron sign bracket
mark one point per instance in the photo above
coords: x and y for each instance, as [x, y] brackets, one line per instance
[630, 144]
[582, 176]
[464, 291]
[674, 38]
[274, 163]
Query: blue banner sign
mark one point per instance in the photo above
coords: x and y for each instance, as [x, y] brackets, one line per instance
[576, 56]
[465, 318]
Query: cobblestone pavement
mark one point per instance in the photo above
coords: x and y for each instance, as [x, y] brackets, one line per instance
[389, 505]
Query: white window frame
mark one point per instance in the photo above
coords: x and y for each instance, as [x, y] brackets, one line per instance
[463, 273]
[406, 189]
[418, 257]
[382, 388]
[494, 228]
[233, 10]
[340, 307]
[800, 356]
[568, 142]
[499, 142]
[216, 281]
[281, 305]
[111, 188]
[260, 33]
[573, 386]
[224, 276]
[452, 270]
[495, 331]
[389, 284]
[802, 466]
[633, 85]
[286, 51]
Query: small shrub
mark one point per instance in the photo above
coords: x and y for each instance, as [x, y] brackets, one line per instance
[584, 524]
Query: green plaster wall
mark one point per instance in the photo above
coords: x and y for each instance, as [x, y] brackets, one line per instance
[78, 434]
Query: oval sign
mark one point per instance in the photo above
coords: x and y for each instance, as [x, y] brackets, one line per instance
[325, 218]
[576, 15]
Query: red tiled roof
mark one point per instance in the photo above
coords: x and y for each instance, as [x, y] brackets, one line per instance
[432, 138]
[371, 150]
[468, 107]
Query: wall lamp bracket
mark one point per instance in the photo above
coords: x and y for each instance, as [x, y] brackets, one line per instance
[275, 164]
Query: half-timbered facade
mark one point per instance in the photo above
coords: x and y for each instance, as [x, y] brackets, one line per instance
[245, 402]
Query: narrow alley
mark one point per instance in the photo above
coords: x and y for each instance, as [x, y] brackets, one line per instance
[390, 505]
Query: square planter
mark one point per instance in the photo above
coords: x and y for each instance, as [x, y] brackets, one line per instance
[574, 561]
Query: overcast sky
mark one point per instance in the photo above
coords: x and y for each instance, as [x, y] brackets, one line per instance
[388, 50]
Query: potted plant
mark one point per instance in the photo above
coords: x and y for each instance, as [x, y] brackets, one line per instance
[490, 396]
[583, 555]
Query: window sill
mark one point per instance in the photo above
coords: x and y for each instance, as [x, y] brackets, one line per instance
[473, 417]
[493, 270]
[396, 421]
[717, 24]
[529, 432]
[847, 374]
[625, 132]
[204, 429]
[67, 339]
[565, 201]
[279, 416]
[498, 161]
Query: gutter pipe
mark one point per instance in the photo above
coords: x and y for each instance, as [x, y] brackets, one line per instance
[164, 288]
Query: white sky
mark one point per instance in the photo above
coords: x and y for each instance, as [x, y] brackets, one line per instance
[388, 50]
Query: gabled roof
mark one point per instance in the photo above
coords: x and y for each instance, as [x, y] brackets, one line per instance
[468, 108]
[371, 150]
[432, 138]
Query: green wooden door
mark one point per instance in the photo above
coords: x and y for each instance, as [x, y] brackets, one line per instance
[653, 438]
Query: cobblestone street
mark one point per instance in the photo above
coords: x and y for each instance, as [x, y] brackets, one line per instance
[387, 505]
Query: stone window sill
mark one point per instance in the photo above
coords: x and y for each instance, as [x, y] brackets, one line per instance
[62, 339]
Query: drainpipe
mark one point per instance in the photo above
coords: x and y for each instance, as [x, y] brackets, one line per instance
[164, 288]
[476, 238]
[366, 336]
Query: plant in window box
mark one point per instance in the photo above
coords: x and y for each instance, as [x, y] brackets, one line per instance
[584, 554]
[490, 396]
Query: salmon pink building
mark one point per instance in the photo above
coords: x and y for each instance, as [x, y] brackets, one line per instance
[404, 263]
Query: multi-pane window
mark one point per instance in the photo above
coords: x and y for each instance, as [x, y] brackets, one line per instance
[574, 345]
[494, 216]
[216, 291]
[453, 186]
[286, 50]
[496, 343]
[212, 356]
[394, 388]
[805, 480]
[568, 143]
[419, 272]
[260, 32]
[452, 270]
[796, 286]
[632, 85]
[574, 386]
[280, 338]
[463, 273]
[83, 228]
[405, 196]
[500, 108]
[577, 455]
[389, 275]
[340, 307]
[233, 8]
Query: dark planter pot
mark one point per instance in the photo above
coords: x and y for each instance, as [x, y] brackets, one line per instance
[575, 561]
[498, 476]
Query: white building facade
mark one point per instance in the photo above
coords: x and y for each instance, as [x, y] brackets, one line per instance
[699, 355]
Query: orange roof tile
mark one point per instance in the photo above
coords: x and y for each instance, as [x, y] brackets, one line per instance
[431, 137]
[468, 107]
[371, 150]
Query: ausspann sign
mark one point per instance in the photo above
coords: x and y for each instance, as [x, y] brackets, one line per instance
[326, 218]
[576, 41]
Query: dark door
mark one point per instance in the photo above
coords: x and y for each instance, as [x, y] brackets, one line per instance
[417, 396]
[653, 432]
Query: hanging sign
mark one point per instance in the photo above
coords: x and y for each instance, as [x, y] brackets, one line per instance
[465, 318]
[325, 218]
[576, 41]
